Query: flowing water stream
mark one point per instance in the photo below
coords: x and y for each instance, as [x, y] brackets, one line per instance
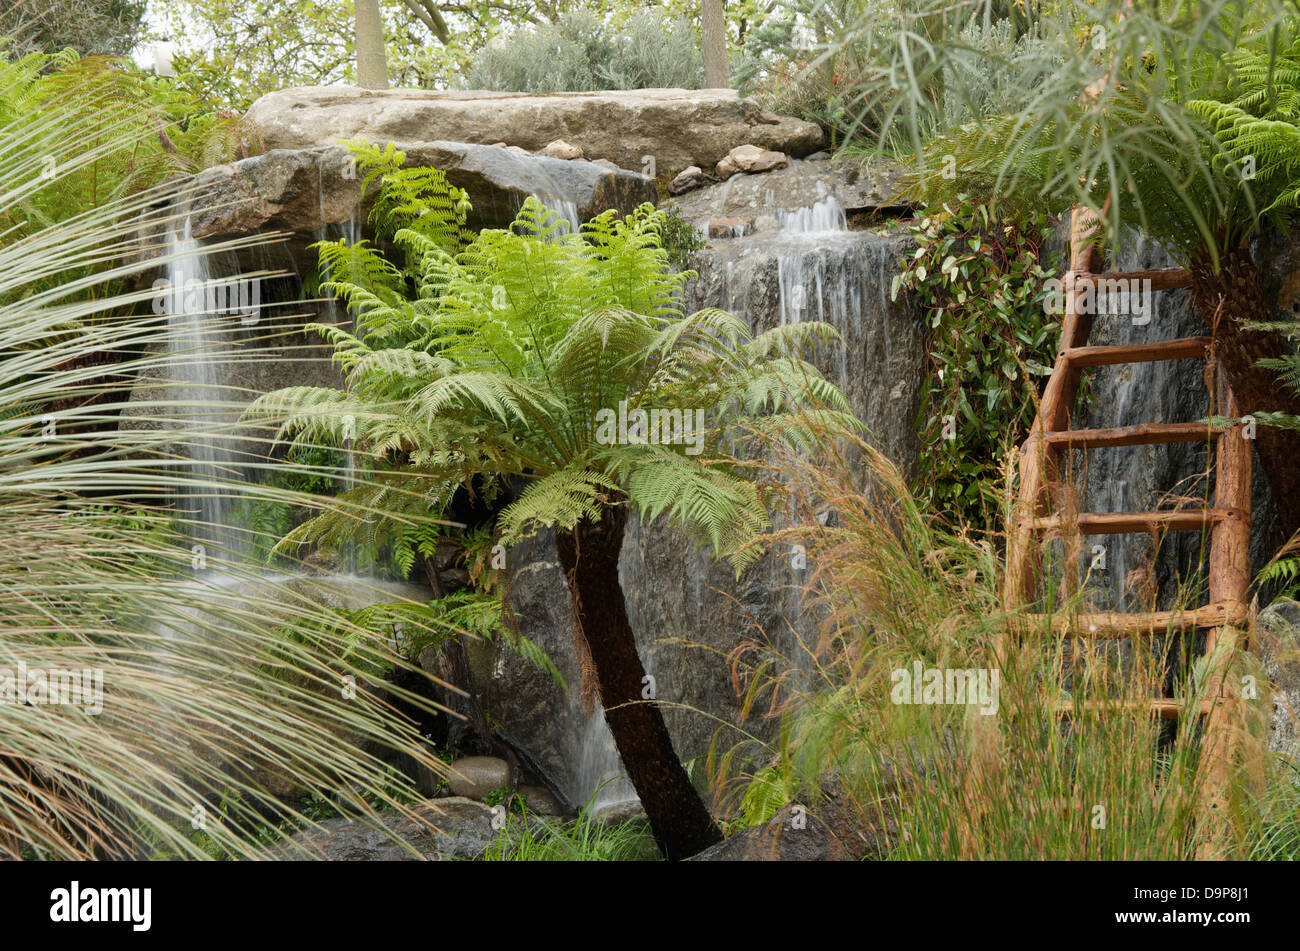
[197, 348]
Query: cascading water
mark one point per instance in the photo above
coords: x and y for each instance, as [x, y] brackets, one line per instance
[350, 233]
[1135, 478]
[819, 270]
[566, 213]
[824, 216]
[599, 778]
[194, 302]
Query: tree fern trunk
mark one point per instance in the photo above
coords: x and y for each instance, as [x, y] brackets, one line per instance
[1227, 299]
[589, 555]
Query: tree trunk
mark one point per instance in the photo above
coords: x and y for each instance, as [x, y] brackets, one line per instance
[713, 27]
[678, 817]
[372, 61]
[1227, 299]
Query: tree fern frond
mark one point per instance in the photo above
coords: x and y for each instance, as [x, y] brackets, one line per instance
[559, 500]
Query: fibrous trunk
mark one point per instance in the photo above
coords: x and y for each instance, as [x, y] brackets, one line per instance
[1228, 298]
[678, 817]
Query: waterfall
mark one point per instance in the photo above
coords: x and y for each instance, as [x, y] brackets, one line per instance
[350, 233]
[1135, 478]
[812, 277]
[567, 211]
[599, 776]
[194, 302]
[824, 215]
[564, 212]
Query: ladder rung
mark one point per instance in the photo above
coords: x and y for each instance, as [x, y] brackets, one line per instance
[1143, 434]
[1116, 624]
[1162, 279]
[1183, 348]
[1123, 523]
[1165, 708]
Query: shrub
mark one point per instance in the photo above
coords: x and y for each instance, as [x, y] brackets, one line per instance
[980, 282]
[582, 52]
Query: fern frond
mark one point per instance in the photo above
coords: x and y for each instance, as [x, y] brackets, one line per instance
[560, 501]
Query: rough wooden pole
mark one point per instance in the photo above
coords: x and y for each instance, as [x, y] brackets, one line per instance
[1038, 461]
[1229, 584]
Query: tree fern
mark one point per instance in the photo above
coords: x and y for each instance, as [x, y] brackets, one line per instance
[511, 347]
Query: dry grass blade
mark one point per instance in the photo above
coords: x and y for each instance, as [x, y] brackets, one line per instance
[148, 708]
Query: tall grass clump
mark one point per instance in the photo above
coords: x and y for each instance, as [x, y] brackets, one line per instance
[588, 838]
[896, 588]
[215, 686]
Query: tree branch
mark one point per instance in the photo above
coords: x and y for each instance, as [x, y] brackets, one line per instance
[431, 17]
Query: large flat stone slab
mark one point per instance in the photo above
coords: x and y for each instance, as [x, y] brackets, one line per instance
[673, 127]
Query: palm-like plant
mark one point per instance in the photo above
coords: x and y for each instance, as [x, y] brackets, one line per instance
[1171, 117]
[507, 374]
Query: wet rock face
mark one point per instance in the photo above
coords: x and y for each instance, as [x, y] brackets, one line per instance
[688, 610]
[1138, 478]
[672, 127]
[766, 196]
[841, 278]
[524, 702]
[303, 191]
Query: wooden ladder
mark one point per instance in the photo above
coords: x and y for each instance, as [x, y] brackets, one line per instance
[1225, 618]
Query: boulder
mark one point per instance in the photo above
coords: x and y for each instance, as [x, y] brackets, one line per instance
[540, 802]
[562, 150]
[749, 158]
[831, 831]
[304, 191]
[732, 227]
[442, 830]
[785, 191]
[1278, 649]
[476, 776]
[672, 128]
[687, 179]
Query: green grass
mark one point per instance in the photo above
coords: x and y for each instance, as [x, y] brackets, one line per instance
[585, 839]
